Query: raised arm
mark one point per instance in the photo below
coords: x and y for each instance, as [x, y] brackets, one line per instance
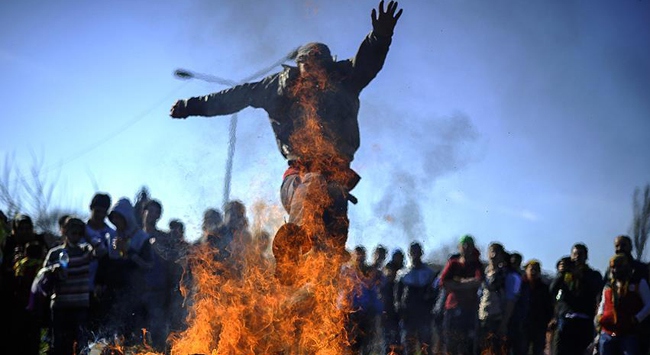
[373, 50]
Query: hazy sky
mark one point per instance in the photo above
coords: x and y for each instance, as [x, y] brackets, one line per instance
[526, 122]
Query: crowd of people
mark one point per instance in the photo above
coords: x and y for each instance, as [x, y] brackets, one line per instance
[117, 275]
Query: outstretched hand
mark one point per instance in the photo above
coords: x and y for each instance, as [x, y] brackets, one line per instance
[179, 110]
[384, 23]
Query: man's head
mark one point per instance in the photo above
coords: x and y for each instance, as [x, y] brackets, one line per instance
[466, 246]
[177, 229]
[212, 220]
[119, 221]
[313, 57]
[620, 267]
[415, 252]
[496, 253]
[379, 255]
[533, 269]
[99, 206]
[579, 254]
[151, 212]
[314, 52]
[234, 215]
[623, 245]
[397, 259]
[515, 260]
[359, 257]
[22, 226]
[73, 230]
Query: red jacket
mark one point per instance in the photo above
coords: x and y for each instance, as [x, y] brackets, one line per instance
[620, 318]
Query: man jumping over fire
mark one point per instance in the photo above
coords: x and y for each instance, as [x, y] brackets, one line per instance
[313, 110]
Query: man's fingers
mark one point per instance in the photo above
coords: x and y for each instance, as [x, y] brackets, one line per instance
[373, 16]
[399, 13]
[381, 7]
[391, 7]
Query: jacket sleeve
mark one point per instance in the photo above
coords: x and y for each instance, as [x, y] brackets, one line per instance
[235, 99]
[369, 59]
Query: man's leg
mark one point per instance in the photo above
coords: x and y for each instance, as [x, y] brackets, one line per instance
[319, 207]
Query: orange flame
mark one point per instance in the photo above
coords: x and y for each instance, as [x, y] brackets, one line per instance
[238, 306]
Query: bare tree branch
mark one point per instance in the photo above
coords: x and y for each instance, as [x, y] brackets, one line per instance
[641, 220]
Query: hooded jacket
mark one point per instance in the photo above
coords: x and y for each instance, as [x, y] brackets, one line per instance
[130, 269]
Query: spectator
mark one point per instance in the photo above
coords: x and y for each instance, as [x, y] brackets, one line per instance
[23, 331]
[101, 237]
[364, 300]
[65, 279]
[624, 304]
[4, 232]
[499, 295]
[379, 257]
[537, 307]
[415, 297]
[577, 287]
[180, 276]
[236, 231]
[623, 245]
[123, 277]
[214, 235]
[461, 277]
[158, 285]
[515, 262]
[390, 318]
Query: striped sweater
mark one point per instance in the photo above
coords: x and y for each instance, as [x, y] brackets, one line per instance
[74, 290]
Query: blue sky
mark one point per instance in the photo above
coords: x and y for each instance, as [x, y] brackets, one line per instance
[524, 122]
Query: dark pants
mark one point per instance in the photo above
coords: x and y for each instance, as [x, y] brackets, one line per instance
[490, 341]
[320, 205]
[418, 335]
[459, 331]
[69, 330]
[572, 336]
[361, 327]
[534, 339]
[621, 344]
[392, 338]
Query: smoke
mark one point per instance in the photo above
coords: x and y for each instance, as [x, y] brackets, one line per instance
[438, 147]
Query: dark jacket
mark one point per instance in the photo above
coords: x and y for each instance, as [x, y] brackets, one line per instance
[535, 304]
[579, 293]
[335, 107]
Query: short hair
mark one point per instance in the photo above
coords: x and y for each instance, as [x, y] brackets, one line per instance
[360, 249]
[416, 245]
[582, 247]
[62, 220]
[74, 222]
[381, 249]
[101, 200]
[176, 223]
[152, 202]
[497, 246]
[625, 237]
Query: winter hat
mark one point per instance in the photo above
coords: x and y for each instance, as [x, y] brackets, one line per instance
[313, 50]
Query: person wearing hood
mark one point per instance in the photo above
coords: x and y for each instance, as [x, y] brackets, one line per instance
[123, 276]
[313, 109]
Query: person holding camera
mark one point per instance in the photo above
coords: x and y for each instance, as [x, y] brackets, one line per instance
[577, 288]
